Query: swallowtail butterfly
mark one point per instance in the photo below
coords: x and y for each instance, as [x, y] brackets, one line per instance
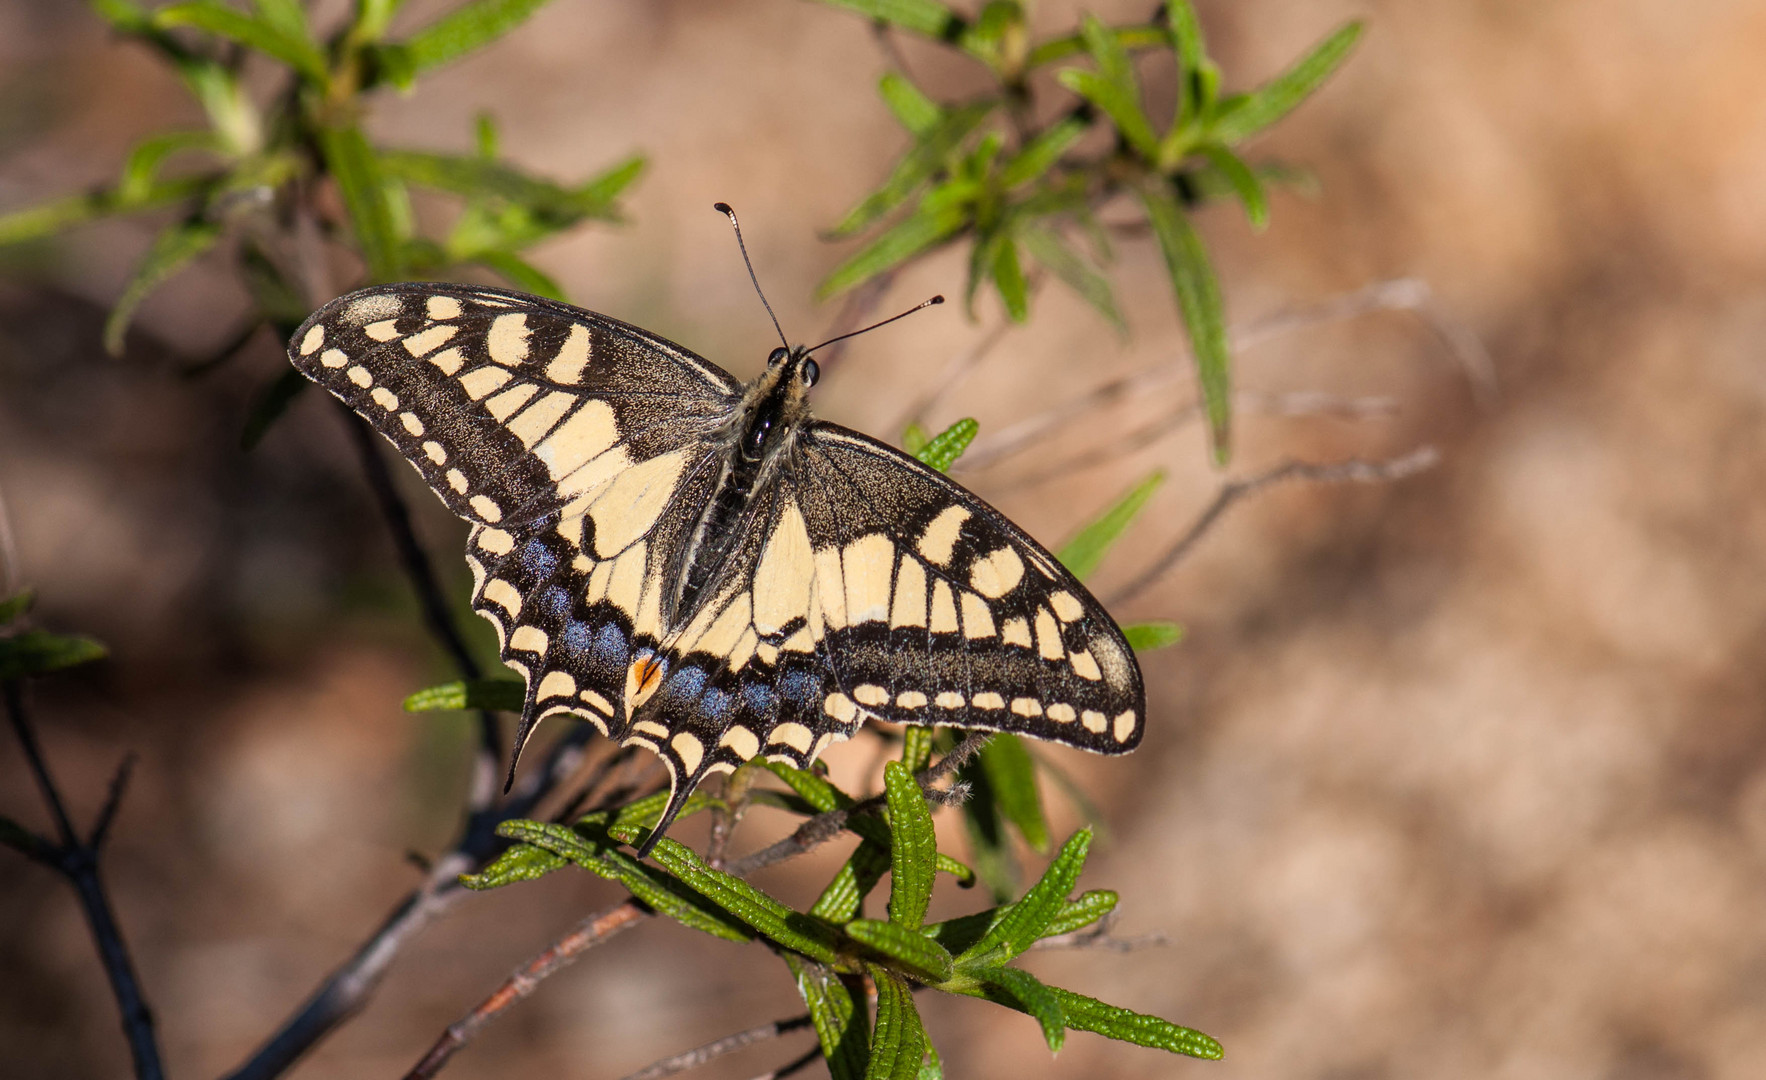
[698, 566]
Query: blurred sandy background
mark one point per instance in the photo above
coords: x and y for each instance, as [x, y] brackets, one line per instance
[1463, 777]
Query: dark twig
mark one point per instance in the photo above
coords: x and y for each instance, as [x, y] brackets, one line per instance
[794, 1066]
[78, 863]
[119, 783]
[1338, 472]
[711, 1051]
[586, 935]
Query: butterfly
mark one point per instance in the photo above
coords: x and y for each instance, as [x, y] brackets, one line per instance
[698, 566]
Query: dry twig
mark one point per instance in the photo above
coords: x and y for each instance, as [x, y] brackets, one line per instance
[711, 1051]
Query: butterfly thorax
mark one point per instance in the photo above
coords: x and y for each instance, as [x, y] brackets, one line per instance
[761, 433]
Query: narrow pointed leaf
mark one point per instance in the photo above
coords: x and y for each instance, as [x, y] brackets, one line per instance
[926, 17]
[815, 790]
[928, 154]
[857, 876]
[175, 247]
[38, 652]
[1008, 277]
[904, 948]
[914, 439]
[1019, 989]
[925, 229]
[915, 111]
[1122, 107]
[841, 1024]
[270, 405]
[916, 742]
[1048, 249]
[912, 849]
[1041, 153]
[1185, 32]
[1081, 911]
[1147, 636]
[355, 167]
[1108, 53]
[286, 16]
[48, 218]
[1123, 1025]
[948, 445]
[771, 918]
[1027, 919]
[1011, 773]
[253, 32]
[898, 1045]
[1127, 37]
[665, 892]
[505, 695]
[1082, 554]
[520, 862]
[1243, 182]
[1277, 97]
[141, 168]
[467, 29]
[1198, 298]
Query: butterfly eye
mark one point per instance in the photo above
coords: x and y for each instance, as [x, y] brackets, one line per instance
[811, 372]
[774, 357]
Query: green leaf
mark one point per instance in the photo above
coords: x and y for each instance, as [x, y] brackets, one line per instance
[1185, 33]
[815, 790]
[1008, 277]
[467, 29]
[38, 652]
[1047, 247]
[1041, 153]
[56, 215]
[1243, 182]
[912, 848]
[1083, 910]
[926, 17]
[1277, 97]
[841, 1026]
[899, 1044]
[1198, 298]
[929, 153]
[521, 274]
[270, 405]
[176, 246]
[771, 918]
[926, 228]
[913, 109]
[141, 168]
[16, 605]
[373, 17]
[666, 893]
[916, 746]
[503, 695]
[1122, 107]
[905, 949]
[1128, 37]
[299, 53]
[1147, 636]
[914, 439]
[1011, 774]
[1026, 920]
[1090, 1014]
[943, 450]
[286, 16]
[1082, 554]
[857, 876]
[477, 177]
[356, 168]
[520, 862]
[1018, 989]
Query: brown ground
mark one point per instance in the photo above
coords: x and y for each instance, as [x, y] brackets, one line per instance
[1461, 777]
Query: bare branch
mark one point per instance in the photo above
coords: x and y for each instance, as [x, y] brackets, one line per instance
[1338, 472]
[711, 1051]
[119, 783]
[78, 863]
[794, 1066]
[1301, 403]
[586, 935]
[1098, 936]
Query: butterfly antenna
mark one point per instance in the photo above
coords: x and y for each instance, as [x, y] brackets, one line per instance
[724, 209]
[921, 306]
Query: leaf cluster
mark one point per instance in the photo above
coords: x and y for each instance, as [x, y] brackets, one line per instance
[1022, 178]
[262, 176]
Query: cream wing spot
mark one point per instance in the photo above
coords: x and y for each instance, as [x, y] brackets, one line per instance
[436, 454]
[495, 541]
[944, 608]
[977, 620]
[486, 508]
[831, 587]
[503, 406]
[651, 727]
[567, 366]
[690, 750]
[1016, 632]
[457, 481]
[867, 565]
[448, 360]
[1027, 707]
[996, 574]
[1094, 721]
[940, 537]
[840, 707]
[504, 595]
[1048, 636]
[507, 341]
[333, 358]
[479, 382]
[796, 736]
[385, 398]
[633, 501]
[784, 574]
[373, 306]
[427, 341]
[589, 431]
[384, 330]
[909, 605]
[442, 307]
[413, 424]
[314, 338]
[1084, 666]
[359, 375]
[1061, 713]
[987, 699]
[529, 639]
[1123, 726]
[910, 699]
[596, 701]
[949, 699]
[538, 419]
[870, 694]
[1067, 606]
[741, 742]
[555, 684]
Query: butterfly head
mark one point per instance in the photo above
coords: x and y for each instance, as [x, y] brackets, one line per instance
[802, 367]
